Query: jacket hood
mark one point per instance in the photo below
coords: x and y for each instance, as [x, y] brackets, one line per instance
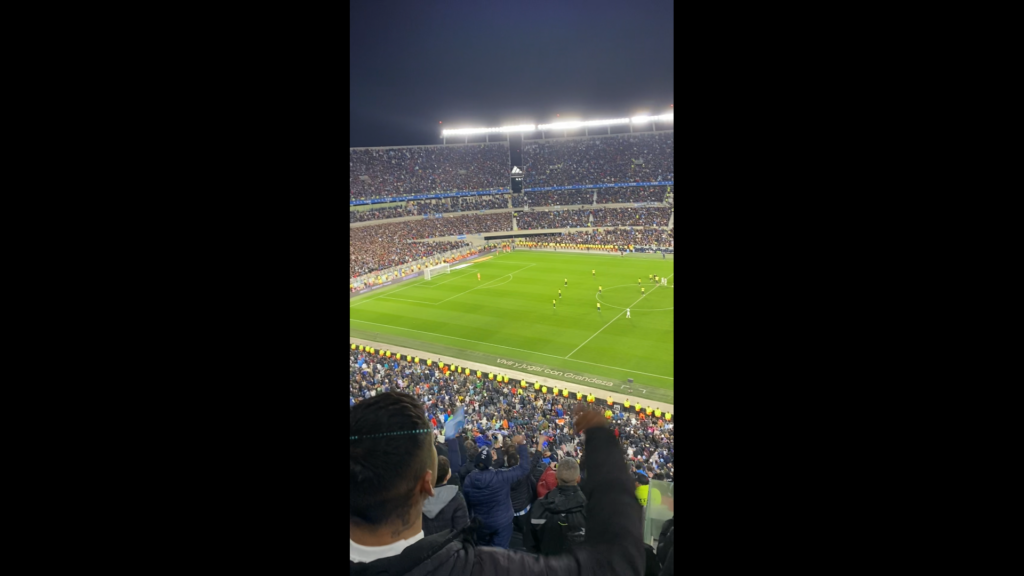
[564, 498]
[442, 496]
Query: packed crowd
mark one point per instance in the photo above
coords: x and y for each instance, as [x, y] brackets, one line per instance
[382, 246]
[371, 251]
[553, 219]
[631, 194]
[649, 216]
[610, 237]
[646, 216]
[381, 213]
[486, 469]
[490, 405]
[647, 157]
[495, 499]
[437, 206]
[395, 172]
[554, 198]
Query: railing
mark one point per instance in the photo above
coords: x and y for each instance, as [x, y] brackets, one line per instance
[637, 391]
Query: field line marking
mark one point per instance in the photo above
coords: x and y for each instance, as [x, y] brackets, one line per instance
[486, 283]
[610, 323]
[405, 300]
[511, 348]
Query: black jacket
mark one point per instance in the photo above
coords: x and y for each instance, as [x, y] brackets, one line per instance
[464, 471]
[613, 542]
[568, 500]
[444, 511]
[520, 493]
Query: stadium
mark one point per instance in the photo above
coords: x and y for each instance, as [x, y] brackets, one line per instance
[511, 289]
[554, 278]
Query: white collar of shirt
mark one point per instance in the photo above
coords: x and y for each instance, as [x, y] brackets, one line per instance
[360, 553]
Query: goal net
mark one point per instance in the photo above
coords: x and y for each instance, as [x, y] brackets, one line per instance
[431, 272]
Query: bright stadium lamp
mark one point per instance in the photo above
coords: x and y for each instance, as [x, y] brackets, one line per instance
[466, 131]
[577, 124]
[645, 118]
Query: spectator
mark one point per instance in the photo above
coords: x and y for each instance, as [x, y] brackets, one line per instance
[547, 482]
[446, 509]
[392, 476]
[472, 451]
[522, 498]
[558, 521]
[488, 493]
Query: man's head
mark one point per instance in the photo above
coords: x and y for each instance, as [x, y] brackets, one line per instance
[567, 472]
[511, 460]
[393, 462]
[483, 459]
[444, 470]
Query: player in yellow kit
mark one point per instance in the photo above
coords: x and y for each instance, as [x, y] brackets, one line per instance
[593, 272]
[477, 276]
[598, 306]
[552, 303]
[598, 289]
[641, 290]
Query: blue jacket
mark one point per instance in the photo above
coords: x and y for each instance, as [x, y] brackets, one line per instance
[488, 492]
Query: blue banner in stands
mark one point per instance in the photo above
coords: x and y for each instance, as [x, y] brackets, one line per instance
[590, 186]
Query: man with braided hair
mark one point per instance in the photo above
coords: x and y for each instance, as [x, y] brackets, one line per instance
[392, 471]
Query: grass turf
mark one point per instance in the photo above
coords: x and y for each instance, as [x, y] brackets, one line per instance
[507, 317]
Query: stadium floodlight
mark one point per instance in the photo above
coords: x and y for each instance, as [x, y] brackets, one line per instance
[644, 118]
[466, 131]
[588, 123]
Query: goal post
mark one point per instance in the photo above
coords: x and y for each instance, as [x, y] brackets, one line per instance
[431, 272]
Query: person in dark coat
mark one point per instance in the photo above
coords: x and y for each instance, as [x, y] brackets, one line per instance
[488, 493]
[393, 467]
[446, 510]
[522, 497]
[467, 466]
[567, 499]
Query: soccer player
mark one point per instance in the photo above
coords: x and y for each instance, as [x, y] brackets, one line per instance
[593, 273]
[641, 290]
[655, 278]
[637, 281]
[598, 289]
[477, 276]
[627, 312]
[559, 294]
[552, 303]
[598, 306]
[650, 276]
[566, 281]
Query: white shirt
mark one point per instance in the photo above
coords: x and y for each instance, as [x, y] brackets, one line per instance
[360, 553]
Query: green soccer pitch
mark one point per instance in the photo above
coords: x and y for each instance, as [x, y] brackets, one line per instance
[507, 317]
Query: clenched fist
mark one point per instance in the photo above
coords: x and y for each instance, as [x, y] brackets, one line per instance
[587, 418]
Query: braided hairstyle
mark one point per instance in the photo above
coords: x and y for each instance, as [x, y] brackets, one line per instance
[384, 469]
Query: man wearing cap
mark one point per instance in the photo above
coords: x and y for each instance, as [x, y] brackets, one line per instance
[488, 494]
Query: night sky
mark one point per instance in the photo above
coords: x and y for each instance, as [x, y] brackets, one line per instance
[490, 63]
